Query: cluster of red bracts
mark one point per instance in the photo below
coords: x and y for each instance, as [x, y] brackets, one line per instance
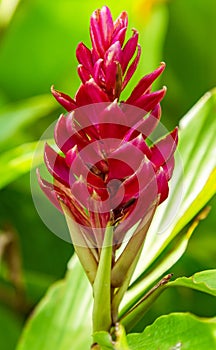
[107, 172]
[106, 69]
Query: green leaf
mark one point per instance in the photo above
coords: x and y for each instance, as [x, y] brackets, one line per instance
[121, 339]
[104, 340]
[7, 10]
[204, 281]
[175, 332]
[135, 314]
[199, 186]
[197, 145]
[62, 320]
[173, 255]
[18, 161]
[15, 116]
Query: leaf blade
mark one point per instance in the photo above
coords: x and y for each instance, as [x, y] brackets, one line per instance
[204, 281]
[66, 313]
[203, 113]
[176, 331]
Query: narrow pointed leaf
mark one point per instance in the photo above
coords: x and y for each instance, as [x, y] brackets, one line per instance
[197, 147]
[180, 245]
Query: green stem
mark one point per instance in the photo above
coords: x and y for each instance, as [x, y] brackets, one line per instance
[117, 298]
[102, 319]
[126, 264]
[132, 250]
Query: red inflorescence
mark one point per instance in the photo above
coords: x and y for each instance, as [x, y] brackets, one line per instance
[107, 170]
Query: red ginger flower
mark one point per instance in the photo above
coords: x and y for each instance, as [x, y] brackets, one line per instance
[106, 69]
[98, 172]
[108, 173]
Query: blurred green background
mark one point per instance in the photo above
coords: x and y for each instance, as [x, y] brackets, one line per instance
[37, 49]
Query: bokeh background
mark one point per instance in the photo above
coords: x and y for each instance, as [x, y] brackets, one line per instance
[37, 49]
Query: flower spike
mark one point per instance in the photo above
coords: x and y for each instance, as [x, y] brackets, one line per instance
[108, 178]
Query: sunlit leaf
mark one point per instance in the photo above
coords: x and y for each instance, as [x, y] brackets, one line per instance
[197, 148]
[62, 320]
[7, 10]
[204, 281]
[199, 185]
[175, 332]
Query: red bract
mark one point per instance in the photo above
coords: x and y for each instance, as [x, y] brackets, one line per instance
[106, 69]
[107, 172]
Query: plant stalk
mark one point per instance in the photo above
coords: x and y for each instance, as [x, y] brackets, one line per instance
[102, 319]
